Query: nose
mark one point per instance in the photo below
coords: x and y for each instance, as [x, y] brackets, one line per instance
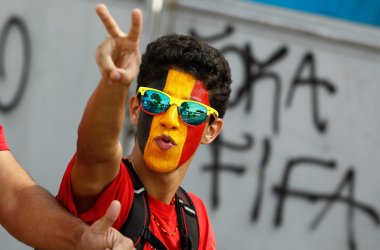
[170, 119]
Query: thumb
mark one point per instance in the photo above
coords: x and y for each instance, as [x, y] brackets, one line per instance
[110, 217]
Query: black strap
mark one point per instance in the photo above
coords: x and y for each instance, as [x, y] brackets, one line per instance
[185, 237]
[139, 215]
[148, 236]
[187, 220]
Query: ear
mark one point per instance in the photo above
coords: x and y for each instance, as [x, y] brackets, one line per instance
[212, 131]
[134, 110]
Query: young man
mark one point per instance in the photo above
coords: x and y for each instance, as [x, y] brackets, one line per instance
[182, 94]
[32, 215]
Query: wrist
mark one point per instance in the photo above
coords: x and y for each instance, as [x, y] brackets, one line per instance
[121, 85]
[3, 141]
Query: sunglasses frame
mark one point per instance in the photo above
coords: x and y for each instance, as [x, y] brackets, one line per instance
[178, 103]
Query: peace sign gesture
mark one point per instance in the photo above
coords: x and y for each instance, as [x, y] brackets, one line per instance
[119, 57]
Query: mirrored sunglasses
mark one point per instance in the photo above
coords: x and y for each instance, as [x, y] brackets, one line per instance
[156, 102]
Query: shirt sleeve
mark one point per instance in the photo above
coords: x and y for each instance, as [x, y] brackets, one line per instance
[121, 189]
[206, 234]
[3, 141]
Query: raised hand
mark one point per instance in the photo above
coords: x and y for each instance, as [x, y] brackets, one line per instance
[119, 56]
[101, 235]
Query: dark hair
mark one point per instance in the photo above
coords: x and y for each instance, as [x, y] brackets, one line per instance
[194, 57]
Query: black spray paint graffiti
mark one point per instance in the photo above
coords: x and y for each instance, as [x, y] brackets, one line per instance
[17, 24]
[283, 191]
[216, 166]
[255, 71]
[308, 61]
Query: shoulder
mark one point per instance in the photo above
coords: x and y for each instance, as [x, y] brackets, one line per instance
[198, 203]
[207, 237]
[200, 208]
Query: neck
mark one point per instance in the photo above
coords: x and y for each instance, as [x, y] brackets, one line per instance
[161, 186]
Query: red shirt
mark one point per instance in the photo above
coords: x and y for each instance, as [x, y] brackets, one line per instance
[164, 214]
[3, 142]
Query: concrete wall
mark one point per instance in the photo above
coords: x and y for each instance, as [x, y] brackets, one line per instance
[296, 165]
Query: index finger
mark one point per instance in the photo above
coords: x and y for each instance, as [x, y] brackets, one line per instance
[109, 22]
[136, 25]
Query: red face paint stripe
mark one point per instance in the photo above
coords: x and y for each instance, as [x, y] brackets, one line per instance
[194, 134]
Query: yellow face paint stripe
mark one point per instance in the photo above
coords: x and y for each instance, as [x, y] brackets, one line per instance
[179, 84]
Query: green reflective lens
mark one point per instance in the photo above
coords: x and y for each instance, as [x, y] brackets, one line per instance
[192, 113]
[155, 102]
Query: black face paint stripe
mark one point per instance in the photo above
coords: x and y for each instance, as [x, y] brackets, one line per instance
[145, 120]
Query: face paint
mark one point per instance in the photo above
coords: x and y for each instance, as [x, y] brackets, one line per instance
[145, 120]
[164, 139]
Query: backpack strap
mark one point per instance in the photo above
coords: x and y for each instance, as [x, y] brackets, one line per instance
[136, 226]
[187, 220]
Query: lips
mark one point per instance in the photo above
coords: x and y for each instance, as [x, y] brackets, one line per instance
[164, 142]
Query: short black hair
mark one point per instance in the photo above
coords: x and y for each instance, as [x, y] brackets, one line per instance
[192, 56]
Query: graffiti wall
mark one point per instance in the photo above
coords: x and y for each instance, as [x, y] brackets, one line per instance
[296, 166]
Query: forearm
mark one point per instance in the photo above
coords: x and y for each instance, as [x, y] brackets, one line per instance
[99, 150]
[118, 59]
[31, 214]
[101, 124]
[39, 221]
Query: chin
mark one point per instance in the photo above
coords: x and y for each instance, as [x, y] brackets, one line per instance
[161, 166]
